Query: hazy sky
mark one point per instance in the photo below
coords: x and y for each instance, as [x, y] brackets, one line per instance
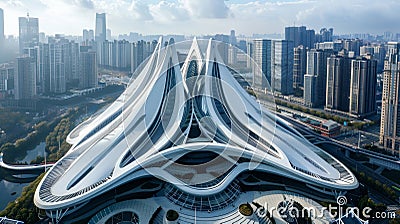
[205, 16]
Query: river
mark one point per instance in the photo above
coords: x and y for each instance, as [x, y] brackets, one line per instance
[32, 154]
[9, 191]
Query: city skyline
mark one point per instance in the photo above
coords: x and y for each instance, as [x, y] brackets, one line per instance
[204, 17]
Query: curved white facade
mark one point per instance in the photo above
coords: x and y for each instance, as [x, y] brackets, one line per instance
[190, 125]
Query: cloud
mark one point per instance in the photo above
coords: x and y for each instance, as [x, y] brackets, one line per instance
[165, 12]
[206, 16]
[266, 16]
[206, 8]
[140, 11]
[85, 3]
[14, 3]
[354, 16]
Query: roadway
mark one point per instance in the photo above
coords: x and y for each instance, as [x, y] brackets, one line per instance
[319, 139]
[334, 147]
[23, 168]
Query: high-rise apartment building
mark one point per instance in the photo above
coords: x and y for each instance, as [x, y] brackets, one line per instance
[367, 50]
[123, 55]
[108, 34]
[232, 38]
[87, 35]
[139, 52]
[334, 46]
[390, 118]
[300, 36]
[232, 55]
[363, 87]
[6, 80]
[325, 35]
[299, 65]
[250, 52]
[116, 54]
[310, 39]
[88, 68]
[57, 49]
[58, 65]
[44, 66]
[25, 78]
[315, 78]
[242, 45]
[379, 55]
[282, 66]
[353, 45]
[338, 77]
[310, 94]
[28, 32]
[223, 48]
[71, 60]
[33, 52]
[262, 55]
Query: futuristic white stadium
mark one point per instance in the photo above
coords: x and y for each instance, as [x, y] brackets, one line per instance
[185, 143]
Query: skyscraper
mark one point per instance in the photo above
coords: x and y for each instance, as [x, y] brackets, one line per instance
[390, 123]
[366, 50]
[250, 52]
[363, 87]
[282, 66]
[300, 36]
[57, 47]
[315, 78]
[33, 52]
[338, 83]
[242, 46]
[1, 28]
[108, 34]
[232, 38]
[310, 95]
[44, 66]
[25, 78]
[262, 50]
[85, 35]
[28, 32]
[379, 54]
[295, 34]
[299, 65]
[324, 35]
[122, 55]
[353, 45]
[232, 55]
[101, 30]
[310, 39]
[88, 68]
[139, 52]
[6, 80]
[223, 48]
